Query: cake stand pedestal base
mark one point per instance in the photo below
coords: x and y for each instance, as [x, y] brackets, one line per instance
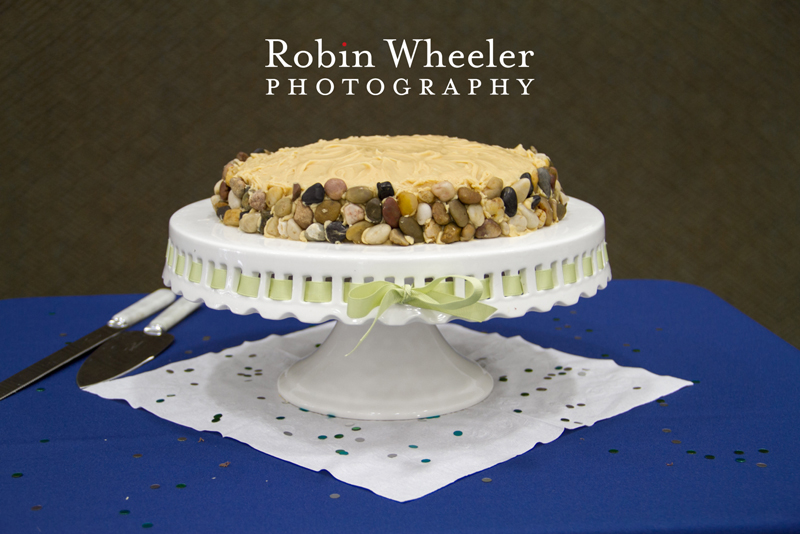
[398, 372]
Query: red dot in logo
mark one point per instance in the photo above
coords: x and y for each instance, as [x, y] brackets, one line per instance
[344, 44]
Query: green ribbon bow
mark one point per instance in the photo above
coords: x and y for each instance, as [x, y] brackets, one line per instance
[381, 294]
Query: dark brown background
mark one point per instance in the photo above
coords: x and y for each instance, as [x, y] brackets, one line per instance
[679, 120]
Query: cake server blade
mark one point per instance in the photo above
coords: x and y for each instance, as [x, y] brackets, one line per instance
[122, 320]
[130, 350]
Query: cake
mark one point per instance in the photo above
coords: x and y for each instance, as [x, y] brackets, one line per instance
[399, 190]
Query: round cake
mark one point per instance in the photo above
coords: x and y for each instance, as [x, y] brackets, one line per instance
[398, 190]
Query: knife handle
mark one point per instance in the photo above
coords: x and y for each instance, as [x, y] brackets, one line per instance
[171, 316]
[139, 310]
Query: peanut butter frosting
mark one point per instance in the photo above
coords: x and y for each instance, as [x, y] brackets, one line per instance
[410, 162]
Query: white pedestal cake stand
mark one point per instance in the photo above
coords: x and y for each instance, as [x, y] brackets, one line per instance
[404, 369]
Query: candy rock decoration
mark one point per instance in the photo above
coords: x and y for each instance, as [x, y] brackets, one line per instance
[400, 190]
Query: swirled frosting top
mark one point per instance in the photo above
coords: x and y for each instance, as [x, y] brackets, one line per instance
[409, 162]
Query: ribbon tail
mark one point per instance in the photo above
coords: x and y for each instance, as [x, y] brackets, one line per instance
[391, 297]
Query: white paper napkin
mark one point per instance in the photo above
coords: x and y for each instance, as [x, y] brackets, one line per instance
[538, 393]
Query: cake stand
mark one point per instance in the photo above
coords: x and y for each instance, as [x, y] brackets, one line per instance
[404, 369]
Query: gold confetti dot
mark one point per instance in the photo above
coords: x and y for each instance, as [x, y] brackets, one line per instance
[626, 344]
[676, 441]
[486, 479]
[335, 495]
[181, 439]
[206, 338]
[137, 455]
[666, 430]
[62, 334]
[155, 486]
[187, 352]
[36, 507]
[759, 464]
[225, 464]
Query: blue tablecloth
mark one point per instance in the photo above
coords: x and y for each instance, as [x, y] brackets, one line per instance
[714, 457]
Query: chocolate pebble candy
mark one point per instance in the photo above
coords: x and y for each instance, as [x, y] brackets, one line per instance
[561, 210]
[221, 211]
[359, 194]
[293, 230]
[426, 196]
[328, 210]
[231, 217]
[376, 235]
[423, 213]
[493, 187]
[273, 195]
[468, 196]
[258, 200]
[224, 190]
[548, 212]
[431, 231]
[216, 187]
[282, 229]
[531, 220]
[468, 232]
[271, 228]
[259, 151]
[451, 233]
[234, 201]
[303, 215]
[411, 228]
[385, 190]
[250, 222]
[494, 209]
[242, 156]
[535, 201]
[527, 176]
[335, 232]
[246, 200]
[553, 176]
[475, 213]
[440, 214]
[391, 212]
[216, 201]
[237, 186]
[522, 188]
[458, 212]
[407, 202]
[354, 232]
[505, 228]
[396, 237]
[544, 180]
[352, 213]
[265, 217]
[313, 195]
[335, 188]
[488, 230]
[283, 207]
[296, 190]
[518, 222]
[315, 232]
[444, 191]
[509, 197]
[373, 211]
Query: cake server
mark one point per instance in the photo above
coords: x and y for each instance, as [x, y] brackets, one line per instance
[122, 320]
[130, 350]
